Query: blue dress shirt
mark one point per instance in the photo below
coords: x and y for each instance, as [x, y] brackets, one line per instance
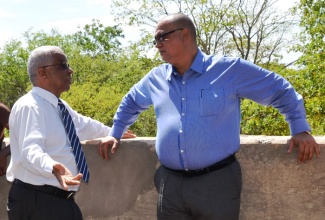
[198, 115]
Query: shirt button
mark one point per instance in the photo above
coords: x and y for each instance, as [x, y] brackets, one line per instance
[182, 151]
[180, 131]
[184, 82]
[183, 114]
[183, 99]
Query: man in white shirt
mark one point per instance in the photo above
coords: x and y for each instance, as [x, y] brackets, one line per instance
[43, 167]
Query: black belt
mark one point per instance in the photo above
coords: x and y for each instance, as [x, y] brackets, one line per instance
[47, 189]
[221, 164]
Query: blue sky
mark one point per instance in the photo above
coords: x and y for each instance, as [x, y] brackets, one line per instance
[18, 16]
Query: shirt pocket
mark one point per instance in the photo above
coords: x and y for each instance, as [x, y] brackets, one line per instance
[212, 102]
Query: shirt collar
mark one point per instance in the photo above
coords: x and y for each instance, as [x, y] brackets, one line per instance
[170, 71]
[197, 65]
[50, 97]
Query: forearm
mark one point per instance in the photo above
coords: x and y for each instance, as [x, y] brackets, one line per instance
[37, 161]
[6, 151]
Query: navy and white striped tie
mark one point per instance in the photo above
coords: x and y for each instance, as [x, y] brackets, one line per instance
[74, 141]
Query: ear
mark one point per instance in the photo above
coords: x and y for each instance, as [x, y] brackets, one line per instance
[42, 73]
[185, 34]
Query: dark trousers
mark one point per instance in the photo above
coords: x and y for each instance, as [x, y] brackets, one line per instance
[30, 204]
[211, 196]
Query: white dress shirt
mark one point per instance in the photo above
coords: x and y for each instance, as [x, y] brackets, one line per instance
[38, 138]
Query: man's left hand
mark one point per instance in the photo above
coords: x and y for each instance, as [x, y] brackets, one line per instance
[64, 176]
[306, 144]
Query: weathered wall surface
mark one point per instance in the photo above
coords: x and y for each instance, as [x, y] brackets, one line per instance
[275, 186]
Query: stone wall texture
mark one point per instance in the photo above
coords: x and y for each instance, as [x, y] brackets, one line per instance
[275, 185]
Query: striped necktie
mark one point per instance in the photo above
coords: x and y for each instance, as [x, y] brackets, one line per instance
[74, 141]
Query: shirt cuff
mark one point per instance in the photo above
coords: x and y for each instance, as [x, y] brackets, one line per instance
[48, 167]
[298, 126]
[116, 132]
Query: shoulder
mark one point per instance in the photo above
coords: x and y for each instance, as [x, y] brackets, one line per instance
[161, 71]
[225, 59]
[29, 102]
[3, 108]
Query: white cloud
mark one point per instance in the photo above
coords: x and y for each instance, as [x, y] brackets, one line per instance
[6, 14]
[69, 10]
[70, 26]
[19, 1]
[104, 3]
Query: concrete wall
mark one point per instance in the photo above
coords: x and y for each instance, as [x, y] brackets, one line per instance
[275, 186]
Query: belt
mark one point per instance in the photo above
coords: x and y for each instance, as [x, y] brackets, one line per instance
[219, 165]
[47, 189]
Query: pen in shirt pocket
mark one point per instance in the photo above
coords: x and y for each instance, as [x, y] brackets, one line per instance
[202, 90]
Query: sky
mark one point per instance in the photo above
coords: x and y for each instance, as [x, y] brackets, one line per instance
[18, 16]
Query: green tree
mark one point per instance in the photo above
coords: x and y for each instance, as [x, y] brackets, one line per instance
[312, 47]
[98, 40]
[258, 31]
[13, 77]
[312, 36]
[54, 37]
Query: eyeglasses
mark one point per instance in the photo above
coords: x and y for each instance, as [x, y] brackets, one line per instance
[161, 37]
[63, 65]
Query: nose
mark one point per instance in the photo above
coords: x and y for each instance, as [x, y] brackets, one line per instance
[158, 44]
[70, 71]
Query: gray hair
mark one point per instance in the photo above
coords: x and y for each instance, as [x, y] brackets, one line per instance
[39, 57]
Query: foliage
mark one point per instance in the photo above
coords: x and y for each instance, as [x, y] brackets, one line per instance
[312, 48]
[97, 40]
[261, 120]
[13, 77]
[257, 31]
[41, 38]
[312, 36]
[98, 102]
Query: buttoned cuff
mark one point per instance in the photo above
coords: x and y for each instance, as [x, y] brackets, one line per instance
[48, 167]
[116, 132]
[298, 126]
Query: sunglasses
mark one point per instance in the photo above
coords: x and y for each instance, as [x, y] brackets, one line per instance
[162, 37]
[65, 66]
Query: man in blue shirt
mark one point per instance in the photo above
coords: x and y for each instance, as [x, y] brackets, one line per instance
[196, 98]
